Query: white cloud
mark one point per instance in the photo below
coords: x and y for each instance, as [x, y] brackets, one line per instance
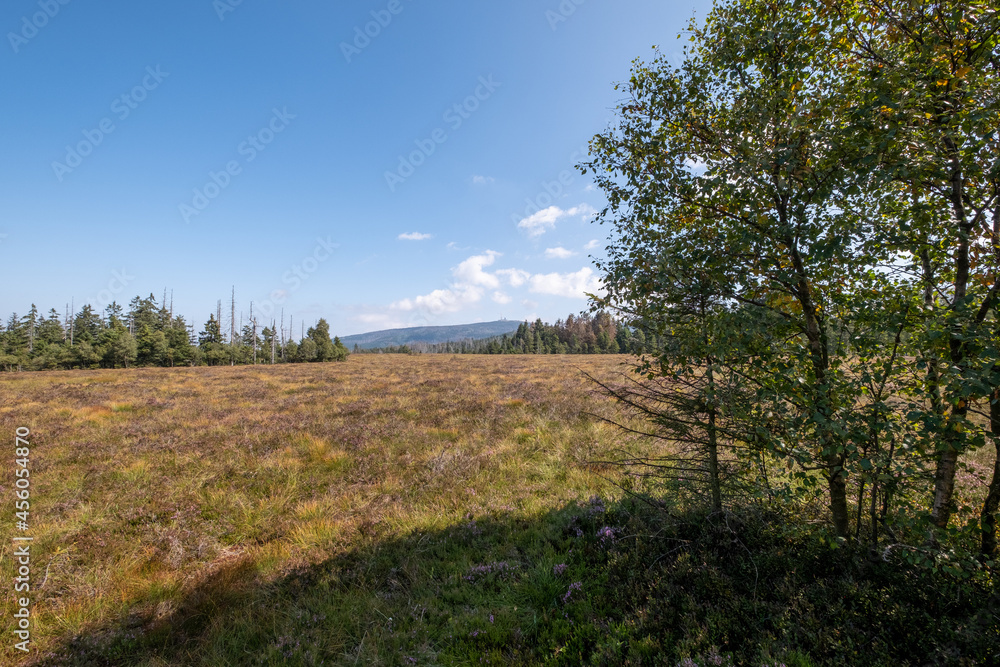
[468, 288]
[414, 236]
[569, 285]
[472, 282]
[471, 270]
[592, 245]
[538, 223]
[546, 219]
[443, 300]
[558, 253]
[514, 277]
[483, 180]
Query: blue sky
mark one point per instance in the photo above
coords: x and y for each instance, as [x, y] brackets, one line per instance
[379, 163]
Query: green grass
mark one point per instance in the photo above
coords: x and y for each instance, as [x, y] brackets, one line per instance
[423, 510]
[636, 582]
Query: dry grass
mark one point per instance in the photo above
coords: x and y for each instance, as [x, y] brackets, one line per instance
[288, 514]
[157, 490]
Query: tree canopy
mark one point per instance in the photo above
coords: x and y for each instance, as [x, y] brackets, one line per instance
[807, 209]
[149, 334]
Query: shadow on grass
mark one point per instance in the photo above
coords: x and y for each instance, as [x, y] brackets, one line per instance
[628, 583]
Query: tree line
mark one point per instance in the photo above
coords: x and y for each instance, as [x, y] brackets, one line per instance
[584, 333]
[807, 206]
[149, 334]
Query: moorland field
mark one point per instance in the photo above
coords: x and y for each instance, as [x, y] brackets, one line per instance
[426, 509]
[170, 499]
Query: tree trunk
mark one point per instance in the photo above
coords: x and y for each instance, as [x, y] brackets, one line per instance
[988, 519]
[713, 443]
[833, 456]
[838, 495]
[933, 374]
[944, 476]
[944, 485]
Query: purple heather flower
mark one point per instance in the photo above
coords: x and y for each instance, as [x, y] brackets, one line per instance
[575, 586]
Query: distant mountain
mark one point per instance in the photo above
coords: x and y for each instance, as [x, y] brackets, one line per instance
[458, 332]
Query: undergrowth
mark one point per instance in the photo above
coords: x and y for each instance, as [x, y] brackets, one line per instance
[635, 582]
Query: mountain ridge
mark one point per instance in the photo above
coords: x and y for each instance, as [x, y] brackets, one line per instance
[430, 334]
